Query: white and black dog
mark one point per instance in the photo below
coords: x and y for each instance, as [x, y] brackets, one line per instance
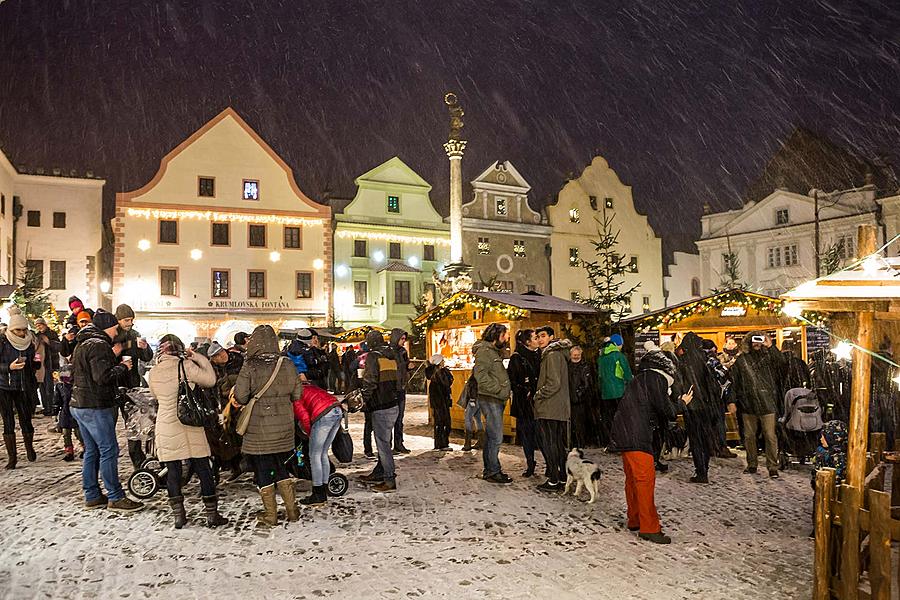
[583, 473]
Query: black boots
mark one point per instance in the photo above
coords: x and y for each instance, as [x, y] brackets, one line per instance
[211, 507]
[318, 497]
[9, 440]
[30, 454]
[467, 446]
[177, 504]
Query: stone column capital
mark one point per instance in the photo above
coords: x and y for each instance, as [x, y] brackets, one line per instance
[455, 148]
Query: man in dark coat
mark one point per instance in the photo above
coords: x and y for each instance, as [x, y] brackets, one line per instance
[700, 417]
[379, 388]
[398, 345]
[334, 370]
[440, 379]
[523, 370]
[129, 343]
[582, 397]
[50, 341]
[646, 402]
[96, 370]
[314, 356]
[756, 377]
[552, 407]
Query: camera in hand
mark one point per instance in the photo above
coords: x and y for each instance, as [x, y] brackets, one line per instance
[758, 339]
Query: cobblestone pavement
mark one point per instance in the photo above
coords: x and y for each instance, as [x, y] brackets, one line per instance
[445, 533]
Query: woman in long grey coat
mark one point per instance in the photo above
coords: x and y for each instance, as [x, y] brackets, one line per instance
[175, 441]
[270, 433]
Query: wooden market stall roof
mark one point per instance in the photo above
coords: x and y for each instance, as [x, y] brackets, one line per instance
[358, 334]
[513, 306]
[698, 310]
[872, 284]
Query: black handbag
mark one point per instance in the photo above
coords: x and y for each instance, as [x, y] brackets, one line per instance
[196, 407]
[342, 446]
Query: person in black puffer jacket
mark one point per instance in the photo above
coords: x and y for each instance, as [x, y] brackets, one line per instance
[96, 369]
[440, 380]
[17, 385]
[523, 370]
[700, 418]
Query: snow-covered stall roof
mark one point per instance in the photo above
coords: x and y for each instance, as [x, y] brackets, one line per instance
[875, 278]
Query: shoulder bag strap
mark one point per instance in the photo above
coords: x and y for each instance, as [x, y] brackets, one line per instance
[271, 380]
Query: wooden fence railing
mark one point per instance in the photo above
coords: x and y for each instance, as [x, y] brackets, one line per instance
[854, 532]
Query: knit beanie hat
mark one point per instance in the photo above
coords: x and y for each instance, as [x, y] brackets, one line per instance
[617, 339]
[83, 316]
[16, 319]
[306, 334]
[436, 359]
[123, 311]
[104, 320]
[40, 321]
[214, 349]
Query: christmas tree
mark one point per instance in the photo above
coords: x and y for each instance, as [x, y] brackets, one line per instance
[32, 298]
[832, 258]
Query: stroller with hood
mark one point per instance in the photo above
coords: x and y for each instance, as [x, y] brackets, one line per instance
[140, 425]
[799, 426]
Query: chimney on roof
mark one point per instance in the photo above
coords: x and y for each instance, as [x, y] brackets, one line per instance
[707, 209]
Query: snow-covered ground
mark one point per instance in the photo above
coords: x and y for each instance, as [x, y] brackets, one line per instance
[445, 533]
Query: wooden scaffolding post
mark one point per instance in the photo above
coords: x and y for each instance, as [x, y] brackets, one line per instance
[852, 498]
[823, 520]
[880, 545]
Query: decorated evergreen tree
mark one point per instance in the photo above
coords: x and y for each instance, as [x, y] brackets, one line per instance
[730, 277]
[609, 295]
[32, 298]
[832, 258]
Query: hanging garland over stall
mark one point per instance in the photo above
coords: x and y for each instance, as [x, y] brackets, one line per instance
[719, 301]
[460, 300]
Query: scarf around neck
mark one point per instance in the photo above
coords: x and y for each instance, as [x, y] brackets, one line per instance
[20, 343]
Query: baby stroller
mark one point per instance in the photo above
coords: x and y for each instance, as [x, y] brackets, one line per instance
[140, 425]
[799, 427]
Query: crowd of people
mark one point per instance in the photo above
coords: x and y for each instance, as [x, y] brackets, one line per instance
[274, 397]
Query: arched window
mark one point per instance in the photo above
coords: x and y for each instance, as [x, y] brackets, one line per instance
[695, 287]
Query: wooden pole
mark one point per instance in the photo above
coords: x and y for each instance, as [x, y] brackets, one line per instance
[823, 519]
[851, 502]
[880, 545]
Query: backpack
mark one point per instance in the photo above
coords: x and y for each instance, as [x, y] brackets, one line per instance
[805, 414]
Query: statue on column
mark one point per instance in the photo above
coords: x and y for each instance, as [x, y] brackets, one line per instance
[456, 115]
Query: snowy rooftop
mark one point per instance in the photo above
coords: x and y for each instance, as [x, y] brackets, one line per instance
[876, 277]
[537, 302]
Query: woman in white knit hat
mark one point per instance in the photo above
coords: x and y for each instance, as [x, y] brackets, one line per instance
[17, 381]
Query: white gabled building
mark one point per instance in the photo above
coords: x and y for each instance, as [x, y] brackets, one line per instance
[51, 225]
[774, 239]
[221, 240]
[683, 281]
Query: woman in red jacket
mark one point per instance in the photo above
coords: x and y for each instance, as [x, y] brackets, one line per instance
[319, 414]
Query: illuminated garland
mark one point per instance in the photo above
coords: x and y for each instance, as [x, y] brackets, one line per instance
[459, 301]
[375, 236]
[361, 332]
[734, 297]
[221, 217]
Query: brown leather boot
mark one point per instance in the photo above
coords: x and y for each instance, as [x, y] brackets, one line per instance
[468, 443]
[9, 440]
[289, 495]
[30, 454]
[269, 514]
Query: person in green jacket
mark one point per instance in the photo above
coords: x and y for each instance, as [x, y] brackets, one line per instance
[613, 373]
[493, 392]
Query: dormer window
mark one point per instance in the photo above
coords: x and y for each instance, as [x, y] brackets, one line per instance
[608, 202]
[251, 190]
[501, 207]
[574, 217]
[782, 217]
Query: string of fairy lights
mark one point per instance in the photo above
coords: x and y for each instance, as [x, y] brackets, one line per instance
[461, 299]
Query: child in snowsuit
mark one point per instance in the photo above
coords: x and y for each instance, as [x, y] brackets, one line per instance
[831, 453]
[62, 394]
[440, 380]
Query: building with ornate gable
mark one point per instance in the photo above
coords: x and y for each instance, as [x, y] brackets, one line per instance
[504, 239]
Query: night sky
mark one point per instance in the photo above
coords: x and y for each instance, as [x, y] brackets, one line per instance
[686, 103]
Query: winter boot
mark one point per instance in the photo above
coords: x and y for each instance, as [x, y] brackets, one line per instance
[211, 507]
[9, 440]
[269, 514]
[177, 504]
[479, 442]
[289, 495]
[467, 446]
[30, 454]
[318, 497]
[69, 454]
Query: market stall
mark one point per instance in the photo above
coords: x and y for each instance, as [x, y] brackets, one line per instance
[453, 327]
[863, 304]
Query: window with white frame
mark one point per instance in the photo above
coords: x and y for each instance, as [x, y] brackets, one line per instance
[501, 207]
[846, 246]
[782, 256]
[484, 245]
[519, 248]
[782, 216]
[573, 257]
[574, 216]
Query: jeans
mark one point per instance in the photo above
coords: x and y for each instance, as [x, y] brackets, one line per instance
[527, 431]
[323, 433]
[383, 423]
[493, 427]
[101, 452]
[398, 424]
[12, 403]
[200, 466]
[768, 426]
[269, 468]
[553, 444]
[473, 417]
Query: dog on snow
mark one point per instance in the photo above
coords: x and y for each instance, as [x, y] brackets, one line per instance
[582, 473]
